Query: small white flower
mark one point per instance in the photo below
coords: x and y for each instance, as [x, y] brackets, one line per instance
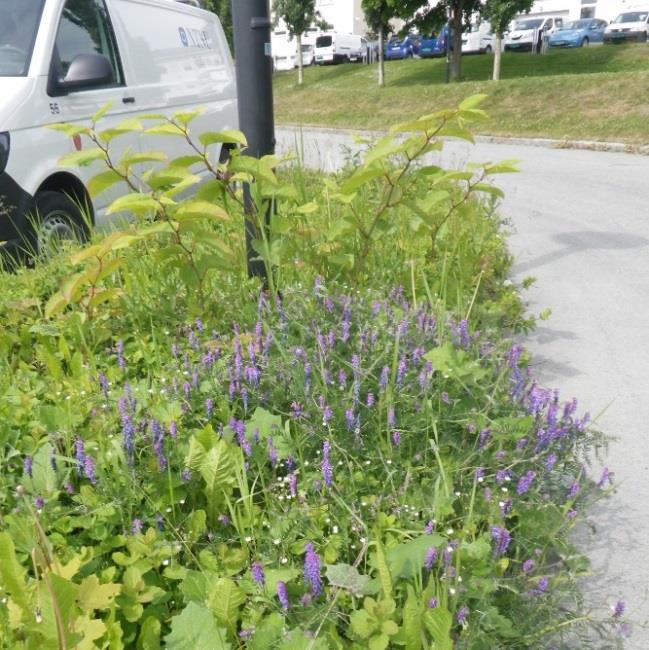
[451, 591]
[363, 503]
[449, 531]
[388, 462]
[368, 462]
[459, 578]
[362, 540]
[182, 502]
[340, 463]
[334, 530]
[277, 541]
[508, 478]
[306, 463]
[480, 479]
[67, 397]
[504, 489]
[281, 497]
[457, 494]
[83, 392]
[284, 560]
[449, 549]
[165, 562]
[168, 509]
[248, 539]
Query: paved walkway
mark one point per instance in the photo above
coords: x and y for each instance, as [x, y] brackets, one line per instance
[580, 223]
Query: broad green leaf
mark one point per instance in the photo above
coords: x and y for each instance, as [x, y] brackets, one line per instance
[407, 559]
[362, 623]
[81, 158]
[223, 137]
[137, 203]
[144, 157]
[267, 633]
[93, 595]
[472, 102]
[195, 629]
[101, 112]
[199, 210]
[225, 600]
[165, 129]
[89, 629]
[101, 182]
[70, 129]
[362, 176]
[185, 118]
[217, 470]
[385, 578]
[149, 637]
[347, 577]
[195, 586]
[439, 622]
[12, 574]
[44, 480]
[412, 620]
[298, 640]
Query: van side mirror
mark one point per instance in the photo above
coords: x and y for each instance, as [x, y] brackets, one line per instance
[87, 71]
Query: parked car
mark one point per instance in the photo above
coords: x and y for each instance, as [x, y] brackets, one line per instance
[479, 39]
[579, 33]
[405, 48]
[308, 54]
[433, 45]
[528, 33]
[63, 61]
[333, 47]
[628, 26]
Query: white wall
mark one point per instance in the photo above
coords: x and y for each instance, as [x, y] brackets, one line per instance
[604, 9]
[346, 16]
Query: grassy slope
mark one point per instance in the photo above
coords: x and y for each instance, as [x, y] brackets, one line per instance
[599, 93]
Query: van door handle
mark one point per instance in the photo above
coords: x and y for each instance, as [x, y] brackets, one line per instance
[128, 100]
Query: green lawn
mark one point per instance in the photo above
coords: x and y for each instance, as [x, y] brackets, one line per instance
[598, 93]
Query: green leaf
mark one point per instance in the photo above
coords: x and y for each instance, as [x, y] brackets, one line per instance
[200, 210]
[195, 629]
[347, 577]
[223, 137]
[12, 574]
[267, 633]
[101, 182]
[81, 158]
[472, 102]
[407, 559]
[144, 157]
[362, 623]
[165, 129]
[412, 620]
[195, 587]
[385, 577]
[138, 203]
[93, 595]
[439, 622]
[185, 118]
[217, 470]
[362, 176]
[225, 600]
[149, 637]
[101, 112]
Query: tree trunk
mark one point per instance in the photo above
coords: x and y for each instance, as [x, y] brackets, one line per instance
[456, 55]
[300, 65]
[381, 62]
[498, 48]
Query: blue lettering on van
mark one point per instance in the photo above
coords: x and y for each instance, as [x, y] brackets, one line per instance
[195, 38]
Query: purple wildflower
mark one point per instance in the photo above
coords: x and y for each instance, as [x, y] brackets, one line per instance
[257, 572]
[369, 400]
[272, 452]
[350, 419]
[136, 526]
[307, 377]
[402, 368]
[431, 558]
[292, 484]
[89, 470]
[429, 528]
[619, 609]
[391, 417]
[550, 462]
[28, 464]
[342, 379]
[501, 476]
[312, 569]
[186, 475]
[173, 429]
[248, 633]
[462, 614]
[119, 351]
[541, 587]
[506, 507]
[327, 470]
[128, 430]
[528, 565]
[79, 454]
[239, 429]
[297, 410]
[574, 490]
[224, 520]
[157, 433]
[445, 398]
[282, 595]
[39, 503]
[396, 438]
[525, 482]
[501, 538]
[606, 477]
[485, 434]
[383, 380]
[432, 603]
[103, 383]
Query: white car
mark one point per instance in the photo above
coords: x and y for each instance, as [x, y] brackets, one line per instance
[479, 39]
[628, 26]
[528, 32]
[63, 60]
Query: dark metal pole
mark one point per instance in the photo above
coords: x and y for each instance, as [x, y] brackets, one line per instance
[254, 68]
[448, 49]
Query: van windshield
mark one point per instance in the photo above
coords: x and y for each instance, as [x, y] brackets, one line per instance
[323, 41]
[532, 23]
[19, 21]
[632, 17]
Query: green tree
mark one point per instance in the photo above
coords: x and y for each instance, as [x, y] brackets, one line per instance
[299, 16]
[500, 13]
[223, 9]
[378, 14]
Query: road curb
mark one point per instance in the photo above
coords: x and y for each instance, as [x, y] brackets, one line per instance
[547, 143]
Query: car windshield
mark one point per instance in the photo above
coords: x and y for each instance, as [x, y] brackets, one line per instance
[323, 41]
[19, 21]
[576, 24]
[632, 17]
[532, 23]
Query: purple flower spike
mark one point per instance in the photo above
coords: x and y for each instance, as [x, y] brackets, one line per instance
[619, 609]
[136, 526]
[462, 614]
[28, 465]
[606, 477]
[501, 538]
[431, 558]
[282, 595]
[541, 587]
[432, 603]
[525, 482]
[312, 570]
[327, 470]
[396, 438]
[257, 572]
[528, 565]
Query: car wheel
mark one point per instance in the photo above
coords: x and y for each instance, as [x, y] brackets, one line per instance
[57, 219]
[487, 49]
[585, 42]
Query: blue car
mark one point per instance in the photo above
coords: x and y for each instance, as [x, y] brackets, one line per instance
[434, 45]
[401, 48]
[579, 33]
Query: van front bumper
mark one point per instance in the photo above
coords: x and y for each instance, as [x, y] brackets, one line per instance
[624, 37]
[518, 46]
[15, 204]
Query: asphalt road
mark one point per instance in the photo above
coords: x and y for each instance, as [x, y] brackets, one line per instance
[580, 225]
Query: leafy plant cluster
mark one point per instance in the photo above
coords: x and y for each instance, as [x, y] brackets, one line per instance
[191, 460]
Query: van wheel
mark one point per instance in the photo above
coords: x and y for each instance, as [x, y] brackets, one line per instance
[585, 42]
[58, 219]
[487, 49]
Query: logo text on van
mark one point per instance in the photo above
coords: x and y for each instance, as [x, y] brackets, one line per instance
[190, 37]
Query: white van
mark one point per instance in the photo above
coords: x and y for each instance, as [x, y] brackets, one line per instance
[331, 47]
[478, 39]
[61, 61]
[529, 31]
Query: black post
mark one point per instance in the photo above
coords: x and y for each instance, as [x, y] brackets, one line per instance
[254, 66]
[447, 48]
